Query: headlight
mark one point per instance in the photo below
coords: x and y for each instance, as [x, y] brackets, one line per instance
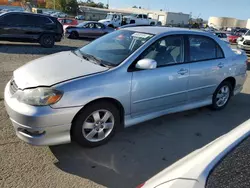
[39, 96]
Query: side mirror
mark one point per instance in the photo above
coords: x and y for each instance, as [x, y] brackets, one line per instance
[146, 64]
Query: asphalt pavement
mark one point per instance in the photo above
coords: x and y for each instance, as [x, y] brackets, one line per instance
[131, 157]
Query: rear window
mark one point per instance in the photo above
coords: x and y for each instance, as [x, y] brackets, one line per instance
[204, 48]
[37, 20]
[233, 169]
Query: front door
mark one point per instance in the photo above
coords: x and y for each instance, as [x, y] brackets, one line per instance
[206, 67]
[163, 87]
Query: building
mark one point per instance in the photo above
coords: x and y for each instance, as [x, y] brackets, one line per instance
[221, 22]
[248, 24]
[166, 18]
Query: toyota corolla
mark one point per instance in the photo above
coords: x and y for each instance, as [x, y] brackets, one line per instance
[121, 79]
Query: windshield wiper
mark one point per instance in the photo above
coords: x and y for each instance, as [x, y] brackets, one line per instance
[96, 60]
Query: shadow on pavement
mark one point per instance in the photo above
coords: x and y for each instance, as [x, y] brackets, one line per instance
[139, 152]
[32, 48]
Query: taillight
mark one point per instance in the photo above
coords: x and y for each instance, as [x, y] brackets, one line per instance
[140, 186]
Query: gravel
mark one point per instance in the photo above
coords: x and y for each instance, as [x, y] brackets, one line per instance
[133, 156]
[234, 169]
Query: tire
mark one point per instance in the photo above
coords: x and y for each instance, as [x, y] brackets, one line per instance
[89, 130]
[227, 95]
[74, 35]
[47, 40]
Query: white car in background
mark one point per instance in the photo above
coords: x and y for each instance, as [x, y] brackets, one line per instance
[244, 41]
[222, 36]
[204, 167]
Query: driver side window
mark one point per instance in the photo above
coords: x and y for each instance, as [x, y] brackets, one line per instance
[168, 50]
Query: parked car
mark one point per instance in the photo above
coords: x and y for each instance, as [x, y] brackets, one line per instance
[59, 15]
[222, 36]
[232, 38]
[121, 79]
[67, 22]
[87, 29]
[30, 27]
[244, 41]
[80, 17]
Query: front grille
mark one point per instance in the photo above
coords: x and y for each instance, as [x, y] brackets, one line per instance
[13, 87]
[246, 42]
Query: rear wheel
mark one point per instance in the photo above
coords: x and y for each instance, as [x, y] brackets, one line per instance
[222, 95]
[95, 124]
[47, 40]
[74, 35]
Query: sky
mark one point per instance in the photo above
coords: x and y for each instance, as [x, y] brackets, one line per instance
[239, 9]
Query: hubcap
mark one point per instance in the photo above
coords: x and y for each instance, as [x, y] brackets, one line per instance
[222, 96]
[98, 125]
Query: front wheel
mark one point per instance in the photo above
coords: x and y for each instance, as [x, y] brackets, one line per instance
[95, 124]
[222, 95]
[74, 35]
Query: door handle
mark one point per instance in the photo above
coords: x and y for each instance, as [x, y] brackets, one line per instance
[220, 65]
[182, 71]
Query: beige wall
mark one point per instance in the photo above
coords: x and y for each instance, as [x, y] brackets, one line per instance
[248, 24]
[220, 22]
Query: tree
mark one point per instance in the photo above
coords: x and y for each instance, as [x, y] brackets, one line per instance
[72, 6]
[50, 4]
[91, 3]
[134, 6]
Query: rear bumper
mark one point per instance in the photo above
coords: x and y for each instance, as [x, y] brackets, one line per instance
[39, 125]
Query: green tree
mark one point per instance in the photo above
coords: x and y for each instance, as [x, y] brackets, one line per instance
[134, 6]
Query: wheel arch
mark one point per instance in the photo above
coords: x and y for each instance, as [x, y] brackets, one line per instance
[231, 80]
[115, 102]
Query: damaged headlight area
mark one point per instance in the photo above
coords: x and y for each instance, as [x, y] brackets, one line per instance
[41, 96]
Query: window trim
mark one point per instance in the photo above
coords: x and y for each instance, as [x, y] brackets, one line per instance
[132, 67]
[216, 45]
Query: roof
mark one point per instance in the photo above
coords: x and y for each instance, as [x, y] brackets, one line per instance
[155, 30]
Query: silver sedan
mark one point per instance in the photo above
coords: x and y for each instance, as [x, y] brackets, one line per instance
[121, 79]
[87, 29]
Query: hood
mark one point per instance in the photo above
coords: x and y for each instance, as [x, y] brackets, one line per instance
[53, 69]
[105, 20]
[246, 37]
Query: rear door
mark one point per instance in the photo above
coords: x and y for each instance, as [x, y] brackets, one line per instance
[207, 67]
[11, 26]
[36, 25]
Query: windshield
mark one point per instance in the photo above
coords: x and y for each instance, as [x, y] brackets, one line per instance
[133, 15]
[81, 24]
[109, 16]
[115, 47]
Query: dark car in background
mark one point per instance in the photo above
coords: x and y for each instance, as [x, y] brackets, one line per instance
[30, 27]
[88, 29]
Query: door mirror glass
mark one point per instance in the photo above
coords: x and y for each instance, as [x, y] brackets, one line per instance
[146, 64]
